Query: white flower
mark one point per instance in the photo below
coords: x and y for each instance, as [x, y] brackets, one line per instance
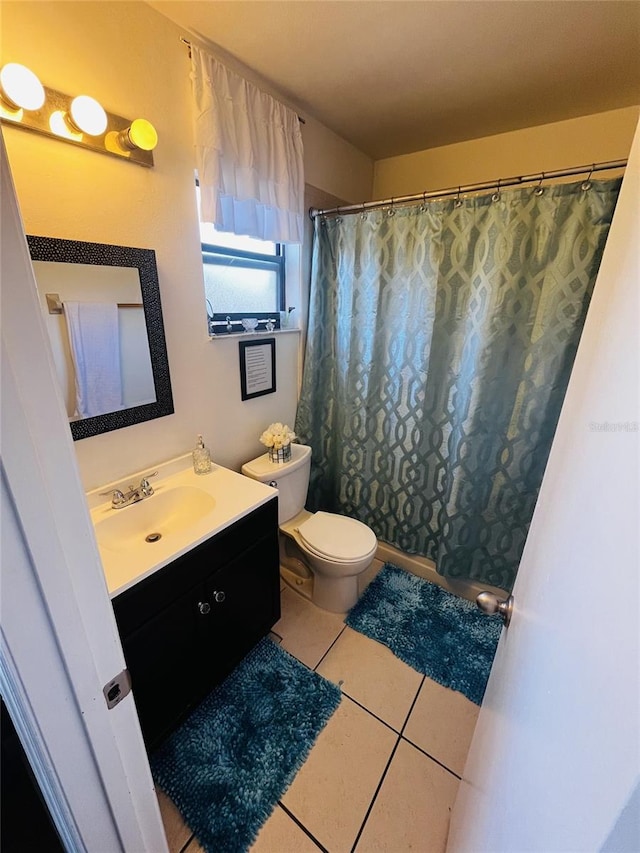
[277, 435]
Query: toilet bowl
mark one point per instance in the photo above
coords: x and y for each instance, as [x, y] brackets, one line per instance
[331, 549]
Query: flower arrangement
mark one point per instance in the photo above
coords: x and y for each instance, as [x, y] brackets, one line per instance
[277, 438]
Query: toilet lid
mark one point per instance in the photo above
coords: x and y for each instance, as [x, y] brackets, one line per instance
[337, 537]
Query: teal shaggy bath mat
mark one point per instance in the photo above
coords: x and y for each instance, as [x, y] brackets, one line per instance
[445, 637]
[229, 763]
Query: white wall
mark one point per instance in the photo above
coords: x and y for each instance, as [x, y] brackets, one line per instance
[112, 50]
[575, 142]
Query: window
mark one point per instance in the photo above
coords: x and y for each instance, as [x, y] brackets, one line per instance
[243, 277]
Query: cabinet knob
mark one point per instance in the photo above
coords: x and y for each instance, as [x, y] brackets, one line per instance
[204, 607]
[218, 596]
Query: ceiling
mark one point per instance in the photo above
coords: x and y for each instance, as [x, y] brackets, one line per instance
[395, 76]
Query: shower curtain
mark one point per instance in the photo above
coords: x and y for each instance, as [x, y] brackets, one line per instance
[441, 340]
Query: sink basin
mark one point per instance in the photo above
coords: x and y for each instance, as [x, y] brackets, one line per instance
[185, 510]
[173, 511]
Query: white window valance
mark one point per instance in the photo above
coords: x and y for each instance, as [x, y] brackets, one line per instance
[248, 155]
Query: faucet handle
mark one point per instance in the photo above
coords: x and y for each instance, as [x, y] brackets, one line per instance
[145, 487]
[117, 497]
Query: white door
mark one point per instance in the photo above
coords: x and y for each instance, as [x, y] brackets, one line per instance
[59, 642]
[556, 753]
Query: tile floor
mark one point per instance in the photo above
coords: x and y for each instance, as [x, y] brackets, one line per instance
[384, 772]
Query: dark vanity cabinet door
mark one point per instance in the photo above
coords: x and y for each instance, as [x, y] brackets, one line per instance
[244, 601]
[163, 660]
[185, 627]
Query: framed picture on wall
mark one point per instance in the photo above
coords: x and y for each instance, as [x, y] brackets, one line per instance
[257, 368]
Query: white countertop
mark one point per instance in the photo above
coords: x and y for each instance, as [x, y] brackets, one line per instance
[128, 558]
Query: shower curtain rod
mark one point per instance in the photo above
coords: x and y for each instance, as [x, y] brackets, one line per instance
[496, 185]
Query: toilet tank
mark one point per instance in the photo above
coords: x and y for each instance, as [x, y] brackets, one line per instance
[292, 479]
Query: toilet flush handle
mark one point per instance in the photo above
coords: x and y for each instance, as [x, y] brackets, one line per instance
[273, 484]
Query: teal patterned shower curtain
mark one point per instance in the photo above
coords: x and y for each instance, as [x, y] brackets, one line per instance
[441, 340]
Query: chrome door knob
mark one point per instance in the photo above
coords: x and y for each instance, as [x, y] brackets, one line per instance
[204, 607]
[490, 603]
[218, 596]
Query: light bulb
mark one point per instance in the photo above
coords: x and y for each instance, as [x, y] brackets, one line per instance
[59, 125]
[140, 134]
[20, 87]
[87, 115]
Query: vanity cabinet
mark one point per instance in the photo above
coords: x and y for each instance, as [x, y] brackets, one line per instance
[185, 627]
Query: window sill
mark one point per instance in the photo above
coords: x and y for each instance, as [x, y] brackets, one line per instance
[246, 335]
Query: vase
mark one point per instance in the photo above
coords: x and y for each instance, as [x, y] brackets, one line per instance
[280, 454]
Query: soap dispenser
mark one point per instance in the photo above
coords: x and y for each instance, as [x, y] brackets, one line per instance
[201, 457]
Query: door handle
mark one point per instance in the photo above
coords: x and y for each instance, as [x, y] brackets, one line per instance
[490, 603]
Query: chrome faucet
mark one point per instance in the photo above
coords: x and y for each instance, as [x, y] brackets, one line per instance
[120, 499]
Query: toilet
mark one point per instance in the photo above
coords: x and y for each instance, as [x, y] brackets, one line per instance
[331, 550]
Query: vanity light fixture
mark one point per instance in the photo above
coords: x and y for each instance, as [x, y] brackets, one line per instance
[26, 103]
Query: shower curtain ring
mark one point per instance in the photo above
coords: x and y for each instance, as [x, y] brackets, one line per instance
[458, 201]
[586, 185]
[391, 211]
[496, 194]
[363, 215]
[539, 189]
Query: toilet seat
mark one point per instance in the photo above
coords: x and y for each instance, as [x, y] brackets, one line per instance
[337, 538]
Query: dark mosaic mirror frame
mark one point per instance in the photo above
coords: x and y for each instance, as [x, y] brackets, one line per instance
[103, 254]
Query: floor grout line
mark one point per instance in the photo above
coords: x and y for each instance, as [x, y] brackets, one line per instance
[415, 699]
[384, 772]
[428, 755]
[191, 837]
[386, 769]
[330, 647]
[424, 752]
[302, 826]
[375, 794]
[369, 711]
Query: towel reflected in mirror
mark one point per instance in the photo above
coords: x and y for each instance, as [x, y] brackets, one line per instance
[95, 349]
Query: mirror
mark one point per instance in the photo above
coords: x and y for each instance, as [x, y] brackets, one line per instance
[101, 305]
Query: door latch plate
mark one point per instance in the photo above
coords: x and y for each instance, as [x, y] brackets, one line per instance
[116, 689]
